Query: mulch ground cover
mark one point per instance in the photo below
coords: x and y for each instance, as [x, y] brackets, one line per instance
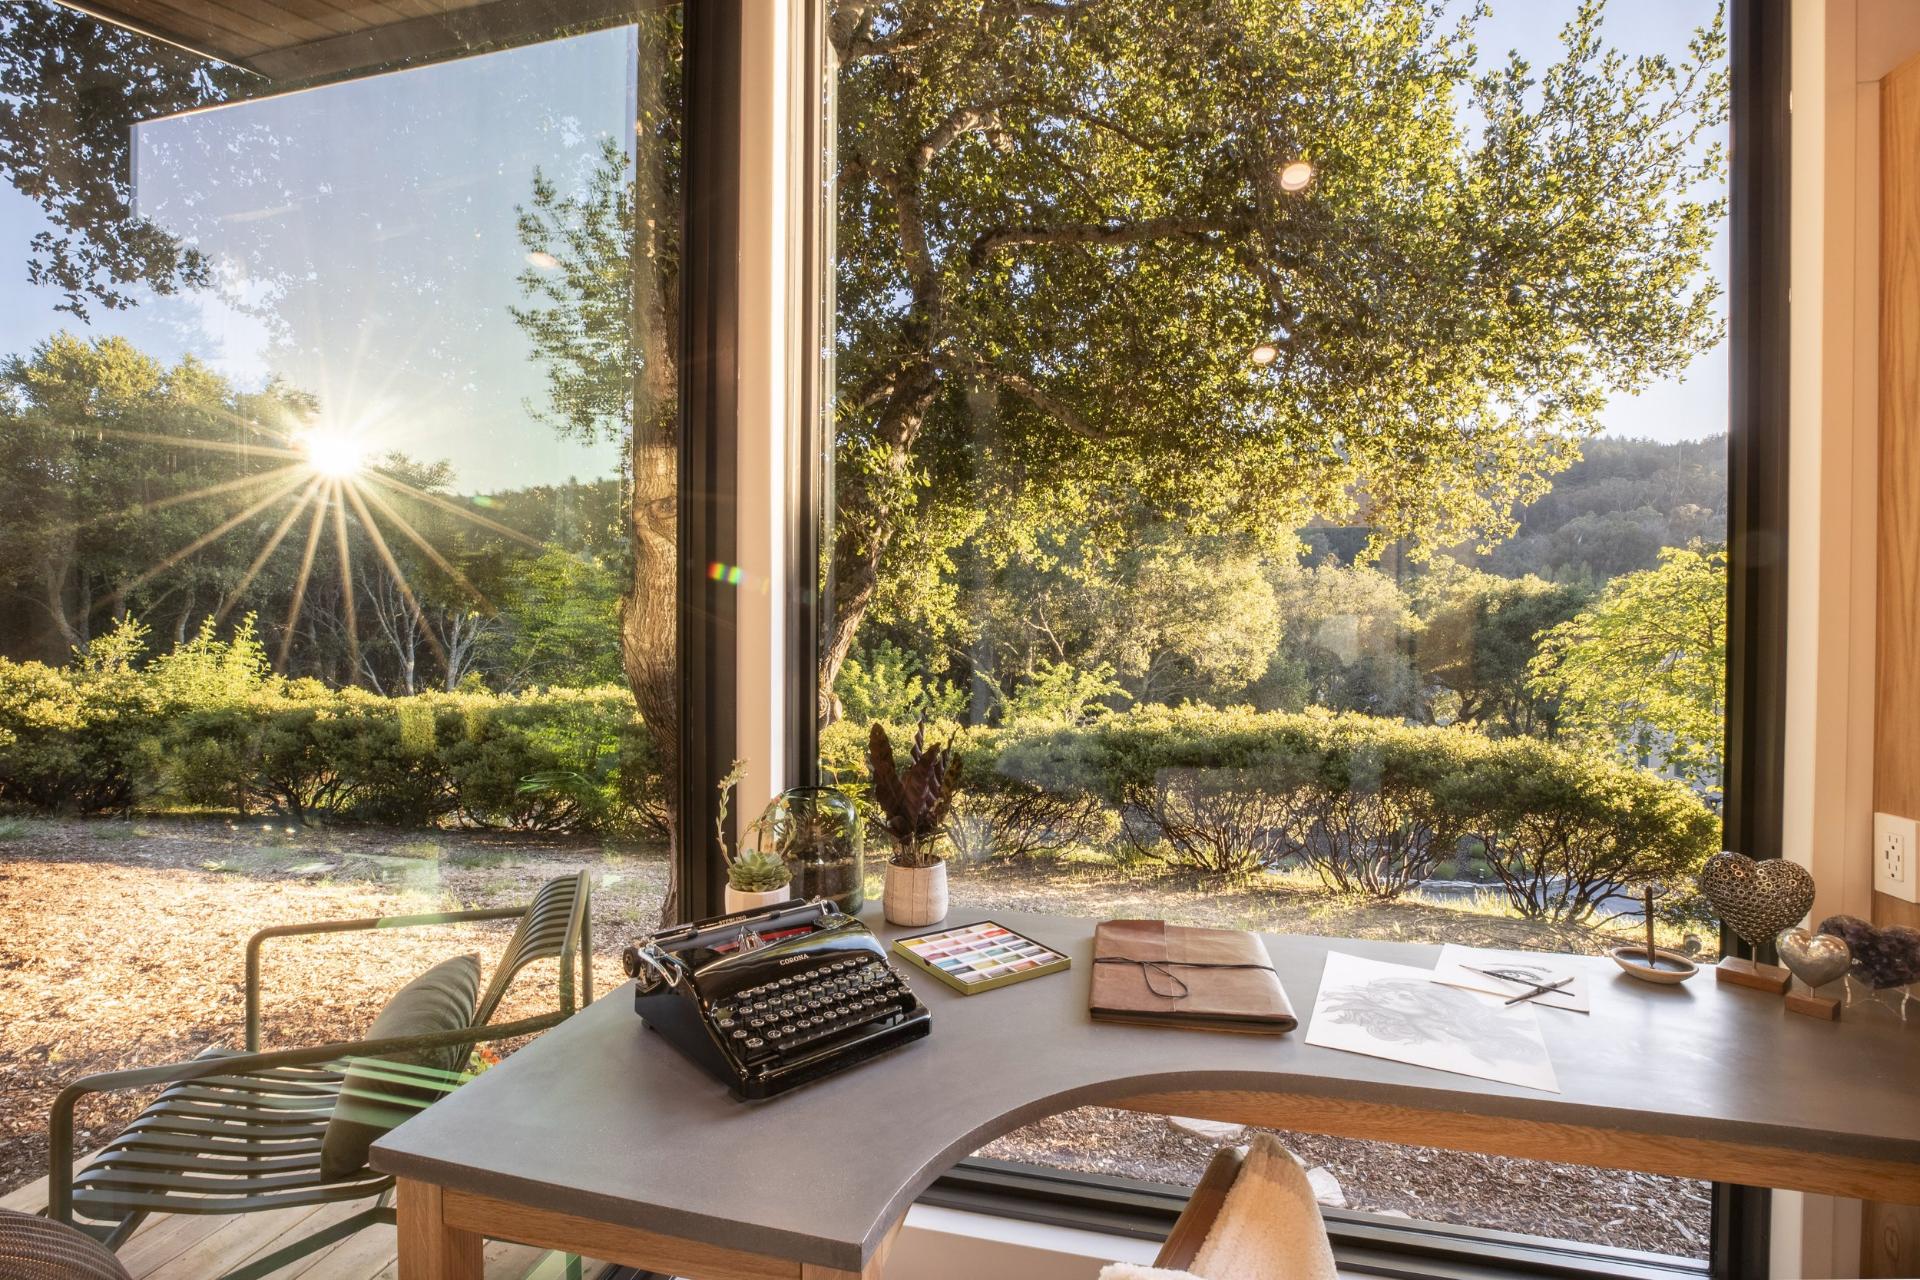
[123, 944]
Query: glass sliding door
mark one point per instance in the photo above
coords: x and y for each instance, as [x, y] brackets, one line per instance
[1283, 445]
[339, 429]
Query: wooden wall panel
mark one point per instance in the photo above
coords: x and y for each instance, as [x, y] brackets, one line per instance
[1890, 1234]
[1896, 780]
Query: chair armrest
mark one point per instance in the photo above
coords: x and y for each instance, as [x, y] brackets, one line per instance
[346, 926]
[60, 1120]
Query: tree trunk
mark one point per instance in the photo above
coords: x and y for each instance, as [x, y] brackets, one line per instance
[649, 611]
[649, 625]
[55, 574]
[863, 531]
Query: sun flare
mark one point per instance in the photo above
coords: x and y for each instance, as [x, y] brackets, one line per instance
[332, 454]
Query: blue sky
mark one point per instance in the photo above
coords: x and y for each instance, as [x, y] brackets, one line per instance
[365, 244]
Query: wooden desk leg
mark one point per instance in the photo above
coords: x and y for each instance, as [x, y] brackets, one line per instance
[429, 1248]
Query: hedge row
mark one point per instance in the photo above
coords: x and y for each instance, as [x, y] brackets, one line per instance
[115, 737]
[1371, 805]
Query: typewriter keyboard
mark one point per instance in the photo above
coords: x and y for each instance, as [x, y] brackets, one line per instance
[785, 1017]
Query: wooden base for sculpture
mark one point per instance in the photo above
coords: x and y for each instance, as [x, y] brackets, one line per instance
[1761, 977]
[1813, 1006]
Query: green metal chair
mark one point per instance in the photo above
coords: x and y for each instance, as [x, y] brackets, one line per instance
[241, 1132]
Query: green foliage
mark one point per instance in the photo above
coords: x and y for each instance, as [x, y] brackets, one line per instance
[1061, 232]
[757, 871]
[76, 86]
[1564, 831]
[95, 490]
[886, 683]
[1371, 805]
[75, 739]
[1643, 669]
[1061, 693]
[1478, 640]
[205, 725]
[565, 622]
[1347, 641]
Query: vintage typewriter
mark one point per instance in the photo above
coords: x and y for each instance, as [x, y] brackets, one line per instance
[767, 1000]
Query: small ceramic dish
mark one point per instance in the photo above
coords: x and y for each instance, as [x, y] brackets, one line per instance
[1634, 961]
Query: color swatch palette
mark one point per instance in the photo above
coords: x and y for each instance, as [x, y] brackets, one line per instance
[980, 957]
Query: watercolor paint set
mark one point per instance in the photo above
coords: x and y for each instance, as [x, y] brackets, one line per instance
[980, 957]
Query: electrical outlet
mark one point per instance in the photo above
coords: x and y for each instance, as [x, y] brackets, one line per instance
[1893, 854]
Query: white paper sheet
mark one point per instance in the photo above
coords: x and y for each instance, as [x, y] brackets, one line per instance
[1453, 969]
[1398, 1012]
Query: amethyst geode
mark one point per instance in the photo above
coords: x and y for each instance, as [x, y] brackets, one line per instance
[1888, 956]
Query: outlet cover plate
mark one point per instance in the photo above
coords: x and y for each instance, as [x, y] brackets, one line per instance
[1894, 851]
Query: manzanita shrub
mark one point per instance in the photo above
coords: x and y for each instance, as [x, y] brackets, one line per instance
[210, 726]
[1369, 804]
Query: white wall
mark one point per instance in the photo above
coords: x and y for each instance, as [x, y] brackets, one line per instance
[769, 378]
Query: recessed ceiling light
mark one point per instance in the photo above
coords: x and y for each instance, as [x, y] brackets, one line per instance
[1296, 176]
[542, 260]
[1264, 354]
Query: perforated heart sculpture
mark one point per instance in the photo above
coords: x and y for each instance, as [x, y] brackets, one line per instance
[1756, 899]
[1887, 956]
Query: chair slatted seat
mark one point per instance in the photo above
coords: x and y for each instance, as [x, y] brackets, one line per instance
[239, 1132]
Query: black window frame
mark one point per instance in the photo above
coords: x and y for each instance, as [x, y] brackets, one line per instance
[1757, 539]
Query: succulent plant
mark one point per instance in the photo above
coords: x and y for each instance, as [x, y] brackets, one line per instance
[915, 803]
[757, 871]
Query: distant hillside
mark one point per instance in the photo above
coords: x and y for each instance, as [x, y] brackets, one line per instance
[1607, 514]
[1611, 512]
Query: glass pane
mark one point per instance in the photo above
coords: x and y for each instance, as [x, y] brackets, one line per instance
[1282, 447]
[336, 425]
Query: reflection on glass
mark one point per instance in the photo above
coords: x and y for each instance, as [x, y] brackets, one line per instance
[337, 428]
[1284, 446]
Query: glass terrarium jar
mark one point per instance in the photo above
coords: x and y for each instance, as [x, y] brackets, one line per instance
[818, 832]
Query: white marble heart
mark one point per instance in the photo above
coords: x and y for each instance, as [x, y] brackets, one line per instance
[1815, 958]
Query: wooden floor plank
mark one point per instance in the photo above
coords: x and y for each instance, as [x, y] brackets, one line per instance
[359, 1257]
[165, 1236]
[31, 1198]
[240, 1238]
[182, 1246]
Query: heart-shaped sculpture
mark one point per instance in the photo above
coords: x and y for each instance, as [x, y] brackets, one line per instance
[1888, 956]
[1756, 899]
[1815, 958]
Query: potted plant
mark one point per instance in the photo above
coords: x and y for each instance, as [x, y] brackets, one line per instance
[817, 832]
[755, 878]
[914, 804]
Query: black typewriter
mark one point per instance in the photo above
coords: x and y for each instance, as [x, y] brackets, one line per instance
[770, 999]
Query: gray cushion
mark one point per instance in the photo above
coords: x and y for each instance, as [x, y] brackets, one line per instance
[372, 1100]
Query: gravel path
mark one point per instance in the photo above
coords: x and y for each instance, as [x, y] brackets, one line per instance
[124, 948]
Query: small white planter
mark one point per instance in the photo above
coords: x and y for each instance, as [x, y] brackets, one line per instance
[916, 895]
[741, 900]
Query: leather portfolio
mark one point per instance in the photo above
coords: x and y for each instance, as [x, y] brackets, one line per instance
[1149, 971]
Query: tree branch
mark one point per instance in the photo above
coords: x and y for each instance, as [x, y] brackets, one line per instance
[1041, 399]
[959, 122]
[989, 242]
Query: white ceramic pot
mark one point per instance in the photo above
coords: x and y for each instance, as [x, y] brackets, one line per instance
[916, 895]
[741, 900]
